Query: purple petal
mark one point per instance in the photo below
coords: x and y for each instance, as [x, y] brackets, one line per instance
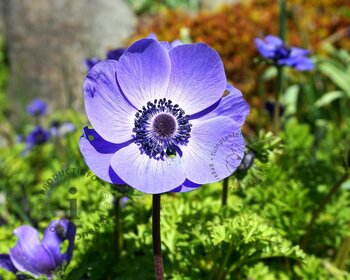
[273, 41]
[266, 50]
[299, 52]
[233, 106]
[6, 263]
[37, 107]
[55, 234]
[305, 64]
[197, 77]
[91, 62]
[107, 110]
[147, 174]
[115, 54]
[187, 186]
[98, 154]
[143, 72]
[214, 151]
[29, 255]
[169, 46]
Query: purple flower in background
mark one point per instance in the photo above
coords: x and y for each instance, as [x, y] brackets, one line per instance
[112, 54]
[160, 120]
[90, 62]
[37, 107]
[123, 201]
[37, 136]
[35, 257]
[115, 54]
[58, 129]
[273, 48]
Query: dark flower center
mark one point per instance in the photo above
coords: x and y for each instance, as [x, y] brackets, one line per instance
[160, 127]
[282, 52]
[40, 137]
[164, 125]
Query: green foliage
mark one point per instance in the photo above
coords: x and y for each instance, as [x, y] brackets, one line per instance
[256, 235]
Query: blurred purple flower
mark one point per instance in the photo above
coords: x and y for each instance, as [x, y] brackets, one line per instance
[37, 136]
[162, 123]
[123, 201]
[59, 130]
[112, 54]
[90, 62]
[35, 257]
[37, 107]
[273, 48]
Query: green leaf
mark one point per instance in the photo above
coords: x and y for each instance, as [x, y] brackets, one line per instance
[329, 97]
[338, 76]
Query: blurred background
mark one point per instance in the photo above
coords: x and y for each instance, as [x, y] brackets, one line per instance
[296, 193]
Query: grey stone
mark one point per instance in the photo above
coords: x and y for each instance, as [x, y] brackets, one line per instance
[48, 40]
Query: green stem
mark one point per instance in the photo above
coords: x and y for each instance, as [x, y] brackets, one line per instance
[117, 234]
[320, 208]
[280, 80]
[343, 253]
[224, 191]
[279, 92]
[282, 19]
[157, 249]
[222, 272]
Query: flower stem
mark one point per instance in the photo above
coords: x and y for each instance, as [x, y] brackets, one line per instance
[282, 19]
[157, 250]
[224, 192]
[117, 226]
[279, 92]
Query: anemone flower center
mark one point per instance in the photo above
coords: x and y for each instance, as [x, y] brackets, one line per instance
[282, 52]
[164, 125]
[161, 127]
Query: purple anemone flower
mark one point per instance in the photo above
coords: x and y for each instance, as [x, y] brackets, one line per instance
[37, 107]
[91, 62]
[37, 136]
[58, 129]
[35, 257]
[273, 48]
[160, 120]
[112, 54]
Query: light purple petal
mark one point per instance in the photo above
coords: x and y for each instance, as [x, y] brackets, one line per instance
[107, 110]
[273, 40]
[266, 50]
[232, 105]
[55, 234]
[147, 174]
[299, 52]
[144, 71]
[6, 263]
[197, 77]
[305, 64]
[29, 255]
[98, 154]
[214, 151]
[187, 186]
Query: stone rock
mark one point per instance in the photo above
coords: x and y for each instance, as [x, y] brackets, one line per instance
[47, 41]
